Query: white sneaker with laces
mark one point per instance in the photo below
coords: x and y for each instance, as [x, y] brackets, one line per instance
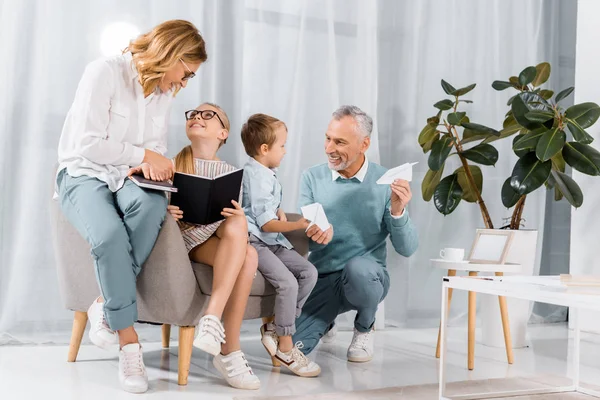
[297, 362]
[361, 348]
[210, 335]
[132, 371]
[100, 333]
[269, 338]
[329, 336]
[236, 371]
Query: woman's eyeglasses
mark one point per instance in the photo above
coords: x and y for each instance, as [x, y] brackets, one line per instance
[190, 74]
[204, 114]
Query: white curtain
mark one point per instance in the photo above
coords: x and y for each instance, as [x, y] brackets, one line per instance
[296, 60]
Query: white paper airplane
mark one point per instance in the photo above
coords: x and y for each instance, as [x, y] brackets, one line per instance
[316, 215]
[404, 171]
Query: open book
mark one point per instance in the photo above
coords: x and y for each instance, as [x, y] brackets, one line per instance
[202, 199]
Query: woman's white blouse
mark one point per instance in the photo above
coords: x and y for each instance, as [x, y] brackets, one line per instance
[110, 123]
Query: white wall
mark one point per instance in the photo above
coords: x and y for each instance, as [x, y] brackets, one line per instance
[585, 227]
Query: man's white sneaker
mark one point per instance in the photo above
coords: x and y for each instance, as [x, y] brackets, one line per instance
[210, 335]
[132, 372]
[361, 348]
[100, 333]
[269, 338]
[236, 371]
[329, 336]
[297, 362]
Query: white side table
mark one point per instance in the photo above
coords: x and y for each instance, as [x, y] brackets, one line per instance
[473, 269]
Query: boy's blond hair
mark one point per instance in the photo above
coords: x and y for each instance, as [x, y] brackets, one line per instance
[259, 130]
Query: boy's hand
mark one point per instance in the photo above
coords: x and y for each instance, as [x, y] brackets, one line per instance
[281, 215]
[232, 212]
[319, 236]
[175, 211]
[302, 223]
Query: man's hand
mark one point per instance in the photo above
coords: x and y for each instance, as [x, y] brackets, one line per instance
[281, 215]
[401, 195]
[319, 236]
[161, 168]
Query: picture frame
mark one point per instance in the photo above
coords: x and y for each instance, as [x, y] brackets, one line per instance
[491, 246]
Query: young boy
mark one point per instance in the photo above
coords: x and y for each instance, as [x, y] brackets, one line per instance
[292, 276]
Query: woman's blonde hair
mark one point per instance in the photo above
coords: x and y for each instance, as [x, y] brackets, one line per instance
[259, 130]
[184, 160]
[157, 51]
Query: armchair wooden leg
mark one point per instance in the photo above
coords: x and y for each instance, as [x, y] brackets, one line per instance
[79, 323]
[166, 335]
[471, 335]
[186, 340]
[274, 361]
[451, 272]
[506, 326]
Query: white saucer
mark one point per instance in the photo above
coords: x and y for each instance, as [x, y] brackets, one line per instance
[449, 261]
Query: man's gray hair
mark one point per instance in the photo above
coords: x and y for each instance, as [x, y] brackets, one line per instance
[363, 121]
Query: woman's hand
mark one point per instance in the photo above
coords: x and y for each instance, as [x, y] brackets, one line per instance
[143, 169]
[232, 212]
[161, 168]
[319, 236]
[175, 211]
[281, 215]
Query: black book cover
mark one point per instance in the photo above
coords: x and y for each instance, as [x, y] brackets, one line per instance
[203, 199]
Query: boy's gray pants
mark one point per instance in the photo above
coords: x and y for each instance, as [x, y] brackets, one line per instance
[293, 278]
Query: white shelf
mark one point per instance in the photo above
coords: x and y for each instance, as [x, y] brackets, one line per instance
[468, 266]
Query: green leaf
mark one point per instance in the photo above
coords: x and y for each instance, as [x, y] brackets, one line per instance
[466, 101]
[578, 132]
[480, 128]
[542, 74]
[464, 90]
[514, 80]
[529, 174]
[527, 76]
[504, 133]
[448, 88]
[582, 157]
[439, 152]
[485, 154]
[501, 85]
[510, 101]
[585, 114]
[550, 144]
[519, 152]
[569, 188]
[444, 104]
[509, 196]
[472, 136]
[546, 94]
[563, 93]
[456, 118]
[430, 182]
[427, 146]
[447, 194]
[528, 142]
[558, 162]
[468, 191]
[539, 116]
[509, 121]
[427, 133]
[526, 102]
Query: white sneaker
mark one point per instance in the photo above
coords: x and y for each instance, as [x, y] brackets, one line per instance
[236, 371]
[329, 336]
[269, 338]
[297, 362]
[361, 348]
[210, 335]
[132, 372]
[100, 333]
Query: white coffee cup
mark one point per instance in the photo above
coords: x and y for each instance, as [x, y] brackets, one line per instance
[452, 254]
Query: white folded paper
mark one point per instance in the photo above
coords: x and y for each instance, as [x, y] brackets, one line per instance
[404, 171]
[316, 215]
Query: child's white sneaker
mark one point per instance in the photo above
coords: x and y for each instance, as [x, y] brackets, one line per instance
[236, 371]
[100, 333]
[210, 335]
[297, 362]
[361, 348]
[132, 371]
[269, 338]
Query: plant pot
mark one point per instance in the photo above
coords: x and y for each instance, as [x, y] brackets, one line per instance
[523, 250]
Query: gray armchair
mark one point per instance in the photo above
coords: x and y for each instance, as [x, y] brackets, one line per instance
[170, 289]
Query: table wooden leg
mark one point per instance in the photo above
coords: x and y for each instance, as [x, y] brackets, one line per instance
[451, 272]
[471, 336]
[506, 326]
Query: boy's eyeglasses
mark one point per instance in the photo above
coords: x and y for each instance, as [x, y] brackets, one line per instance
[204, 114]
[190, 74]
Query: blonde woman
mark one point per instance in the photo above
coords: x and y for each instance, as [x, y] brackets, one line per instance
[223, 245]
[118, 125]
